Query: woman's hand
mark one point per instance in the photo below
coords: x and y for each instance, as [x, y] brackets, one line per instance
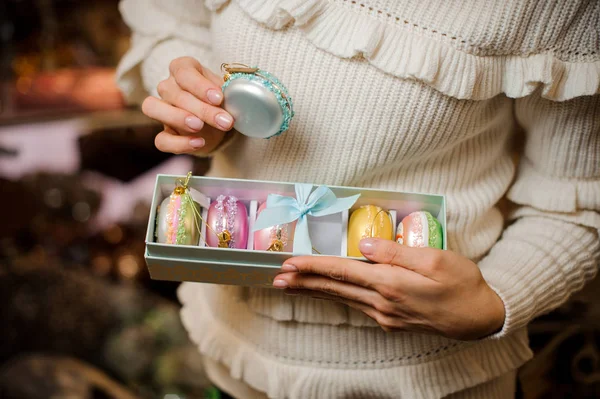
[407, 289]
[189, 108]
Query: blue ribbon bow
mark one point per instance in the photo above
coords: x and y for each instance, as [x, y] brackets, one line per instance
[281, 210]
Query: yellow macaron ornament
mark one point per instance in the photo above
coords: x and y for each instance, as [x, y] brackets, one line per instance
[368, 221]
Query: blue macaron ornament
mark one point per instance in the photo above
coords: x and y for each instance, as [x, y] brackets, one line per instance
[259, 103]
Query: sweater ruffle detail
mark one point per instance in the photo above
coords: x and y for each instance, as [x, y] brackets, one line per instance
[447, 369]
[401, 50]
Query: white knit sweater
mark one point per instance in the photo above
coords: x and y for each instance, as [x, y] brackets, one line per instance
[423, 96]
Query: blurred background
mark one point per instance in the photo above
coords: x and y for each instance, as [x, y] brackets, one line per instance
[79, 315]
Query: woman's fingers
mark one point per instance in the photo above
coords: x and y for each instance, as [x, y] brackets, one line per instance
[346, 270]
[180, 127]
[189, 104]
[182, 121]
[190, 62]
[329, 286]
[193, 81]
[378, 277]
[210, 114]
[169, 141]
[213, 77]
[424, 261]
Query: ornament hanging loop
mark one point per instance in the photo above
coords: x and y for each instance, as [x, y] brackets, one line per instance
[187, 179]
[237, 67]
[372, 234]
[182, 185]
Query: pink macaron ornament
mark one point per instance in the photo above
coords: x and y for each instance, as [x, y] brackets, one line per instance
[227, 223]
[420, 229]
[278, 238]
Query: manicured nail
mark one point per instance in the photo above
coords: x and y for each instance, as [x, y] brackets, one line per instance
[289, 268]
[214, 96]
[367, 246]
[194, 123]
[280, 284]
[224, 121]
[197, 142]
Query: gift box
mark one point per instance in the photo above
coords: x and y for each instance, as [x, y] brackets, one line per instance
[249, 267]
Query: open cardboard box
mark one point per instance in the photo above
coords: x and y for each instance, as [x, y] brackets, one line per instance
[250, 267]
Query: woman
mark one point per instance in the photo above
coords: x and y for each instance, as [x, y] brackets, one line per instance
[423, 96]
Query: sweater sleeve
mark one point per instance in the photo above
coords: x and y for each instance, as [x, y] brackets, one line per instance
[161, 32]
[552, 248]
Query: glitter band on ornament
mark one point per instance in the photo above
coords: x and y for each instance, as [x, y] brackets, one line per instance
[228, 220]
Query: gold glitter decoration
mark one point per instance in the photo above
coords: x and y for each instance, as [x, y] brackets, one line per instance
[276, 246]
[224, 239]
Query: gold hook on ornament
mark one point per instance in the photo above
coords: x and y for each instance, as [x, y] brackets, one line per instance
[182, 185]
[236, 67]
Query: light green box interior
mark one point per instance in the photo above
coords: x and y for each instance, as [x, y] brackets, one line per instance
[258, 268]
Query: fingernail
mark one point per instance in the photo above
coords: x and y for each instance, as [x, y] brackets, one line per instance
[197, 142]
[289, 268]
[194, 123]
[224, 121]
[214, 96]
[280, 284]
[367, 246]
